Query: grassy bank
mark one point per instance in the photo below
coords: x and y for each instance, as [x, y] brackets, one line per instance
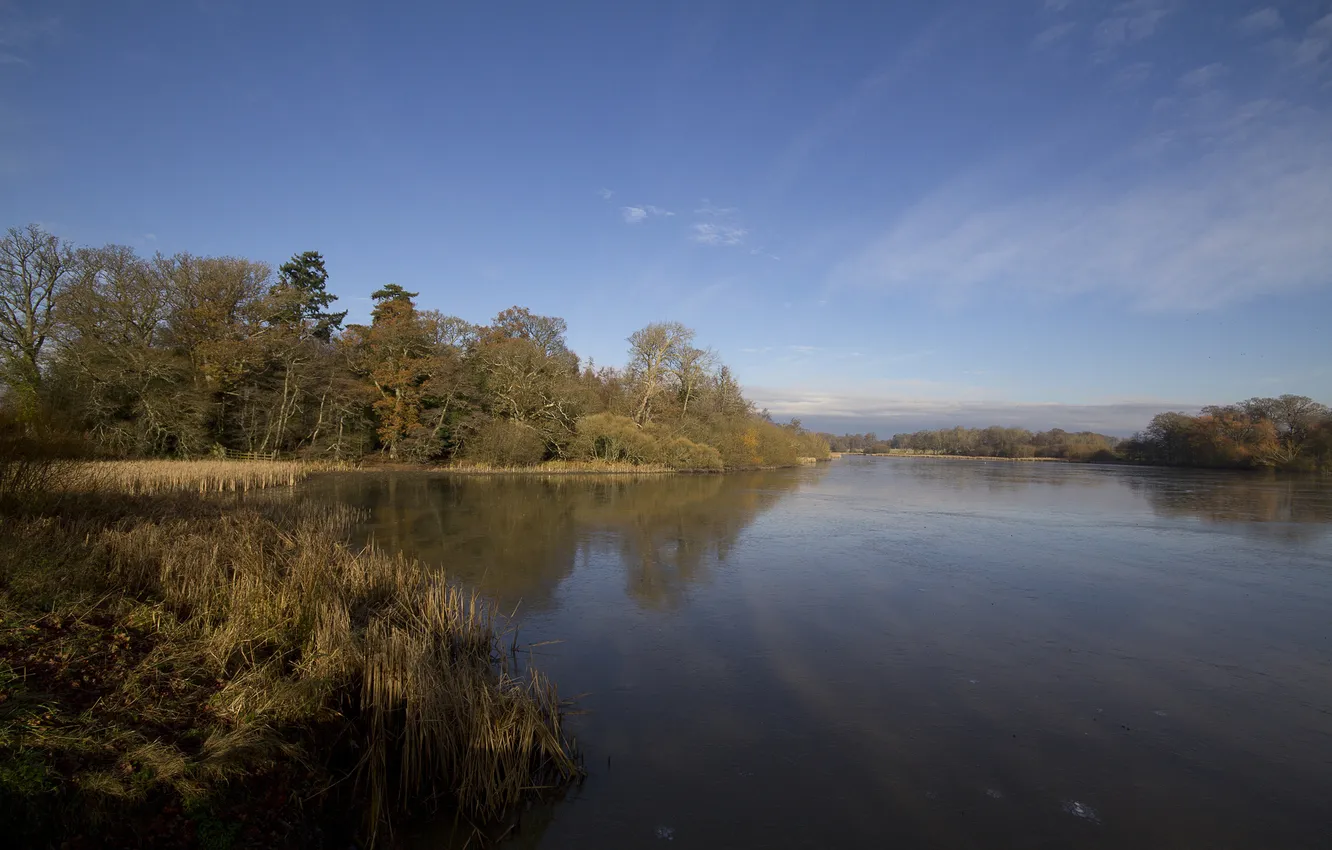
[176, 674]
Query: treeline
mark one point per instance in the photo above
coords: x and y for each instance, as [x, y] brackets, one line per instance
[994, 441]
[1288, 432]
[190, 356]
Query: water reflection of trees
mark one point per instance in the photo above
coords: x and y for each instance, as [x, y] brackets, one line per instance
[668, 535]
[994, 476]
[1236, 497]
[518, 537]
[1214, 496]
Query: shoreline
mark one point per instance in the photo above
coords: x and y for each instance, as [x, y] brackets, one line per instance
[143, 477]
[138, 638]
[558, 467]
[911, 454]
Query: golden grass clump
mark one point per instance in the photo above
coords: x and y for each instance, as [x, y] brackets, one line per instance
[148, 477]
[246, 632]
[301, 619]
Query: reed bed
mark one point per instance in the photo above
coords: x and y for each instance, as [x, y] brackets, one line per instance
[249, 640]
[149, 477]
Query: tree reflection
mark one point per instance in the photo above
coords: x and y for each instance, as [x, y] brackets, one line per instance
[670, 531]
[517, 537]
[993, 476]
[1237, 497]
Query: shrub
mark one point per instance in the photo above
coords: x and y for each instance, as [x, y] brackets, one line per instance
[682, 453]
[35, 459]
[605, 436]
[420, 445]
[503, 442]
[809, 444]
[750, 442]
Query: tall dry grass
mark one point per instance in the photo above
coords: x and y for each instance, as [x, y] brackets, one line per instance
[147, 477]
[299, 632]
[303, 623]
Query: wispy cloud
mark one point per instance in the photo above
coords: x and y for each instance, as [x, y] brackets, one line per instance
[1201, 78]
[606, 194]
[1056, 5]
[1311, 52]
[1260, 21]
[719, 226]
[1133, 75]
[843, 114]
[712, 233]
[763, 252]
[1129, 22]
[707, 208]
[20, 32]
[1053, 34]
[634, 215]
[1244, 212]
[803, 355]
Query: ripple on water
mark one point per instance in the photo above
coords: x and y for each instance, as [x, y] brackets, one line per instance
[1081, 810]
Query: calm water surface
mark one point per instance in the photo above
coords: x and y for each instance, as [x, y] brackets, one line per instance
[904, 652]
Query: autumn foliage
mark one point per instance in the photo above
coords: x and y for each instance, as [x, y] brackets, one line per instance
[188, 356]
[1288, 432]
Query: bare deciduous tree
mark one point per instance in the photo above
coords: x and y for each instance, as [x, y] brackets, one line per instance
[691, 367]
[34, 267]
[652, 350]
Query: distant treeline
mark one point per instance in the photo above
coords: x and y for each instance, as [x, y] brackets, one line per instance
[1288, 432]
[190, 356]
[994, 441]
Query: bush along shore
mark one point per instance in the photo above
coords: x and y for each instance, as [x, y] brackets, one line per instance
[180, 671]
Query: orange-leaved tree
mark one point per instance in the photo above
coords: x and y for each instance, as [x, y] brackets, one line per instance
[394, 353]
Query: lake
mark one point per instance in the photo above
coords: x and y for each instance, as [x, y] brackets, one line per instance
[909, 652]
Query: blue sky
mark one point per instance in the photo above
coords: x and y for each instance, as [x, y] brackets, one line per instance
[882, 216]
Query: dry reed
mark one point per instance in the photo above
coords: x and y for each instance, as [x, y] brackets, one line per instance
[297, 631]
[147, 477]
